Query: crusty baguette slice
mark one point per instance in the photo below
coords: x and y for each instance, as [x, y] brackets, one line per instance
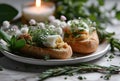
[85, 46]
[63, 53]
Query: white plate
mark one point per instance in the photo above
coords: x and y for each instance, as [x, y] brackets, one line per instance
[102, 49]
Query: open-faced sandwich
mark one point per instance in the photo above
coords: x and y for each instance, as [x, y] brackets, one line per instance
[40, 40]
[81, 35]
[45, 42]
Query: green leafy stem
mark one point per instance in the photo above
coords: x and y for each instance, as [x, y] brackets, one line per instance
[12, 43]
[81, 68]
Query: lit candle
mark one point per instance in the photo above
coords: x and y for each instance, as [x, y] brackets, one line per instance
[40, 11]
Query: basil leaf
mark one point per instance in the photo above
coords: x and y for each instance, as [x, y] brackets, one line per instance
[7, 12]
[19, 44]
[118, 15]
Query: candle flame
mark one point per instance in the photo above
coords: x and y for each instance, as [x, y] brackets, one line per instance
[38, 3]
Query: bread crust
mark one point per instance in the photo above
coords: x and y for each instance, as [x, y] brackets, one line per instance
[38, 52]
[86, 46]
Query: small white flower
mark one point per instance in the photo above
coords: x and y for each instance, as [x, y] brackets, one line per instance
[59, 30]
[12, 30]
[41, 25]
[56, 23]
[24, 30]
[14, 27]
[32, 22]
[69, 23]
[51, 18]
[6, 24]
[18, 33]
[75, 21]
[51, 26]
[63, 18]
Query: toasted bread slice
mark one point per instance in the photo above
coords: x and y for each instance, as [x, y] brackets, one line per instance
[62, 53]
[86, 46]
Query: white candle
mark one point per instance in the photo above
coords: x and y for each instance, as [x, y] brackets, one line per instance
[40, 12]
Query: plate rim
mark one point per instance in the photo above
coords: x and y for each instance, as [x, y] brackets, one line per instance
[97, 55]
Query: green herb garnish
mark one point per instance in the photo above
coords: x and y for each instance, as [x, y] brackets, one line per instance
[12, 43]
[82, 68]
[16, 44]
[46, 57]
[107, 77]
[80, 26]
[115, 43]
[39, 35]
[80, 78]
[65, 78]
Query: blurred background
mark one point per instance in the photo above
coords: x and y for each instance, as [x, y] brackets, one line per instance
[18, 3]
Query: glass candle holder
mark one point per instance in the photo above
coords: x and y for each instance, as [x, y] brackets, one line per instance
[40, 14]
